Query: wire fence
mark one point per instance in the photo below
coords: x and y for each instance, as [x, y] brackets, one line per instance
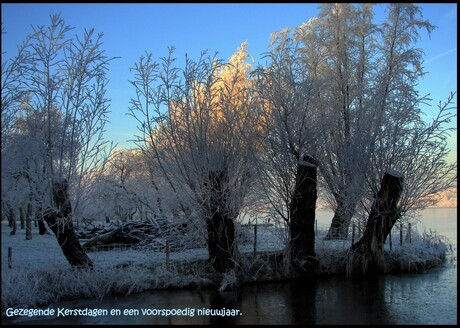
[254, 239]
[267, 237]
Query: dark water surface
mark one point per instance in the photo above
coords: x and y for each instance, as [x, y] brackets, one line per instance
[425, 298]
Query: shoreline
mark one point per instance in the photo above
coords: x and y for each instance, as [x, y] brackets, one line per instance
[266, 268]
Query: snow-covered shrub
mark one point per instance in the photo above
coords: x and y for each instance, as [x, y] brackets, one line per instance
[425, 250]
[27, 287]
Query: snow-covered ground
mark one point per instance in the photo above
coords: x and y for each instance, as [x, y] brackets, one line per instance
[40, 274]
[43, 252]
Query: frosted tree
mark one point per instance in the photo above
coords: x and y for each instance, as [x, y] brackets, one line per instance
[22, 171]
[124, 192]
[65, 84]
[415, 155]
[288, 132]
[339, 42]
[418, 150]
[14, 93]
[369, 75]
[195, 123]
[403, 140]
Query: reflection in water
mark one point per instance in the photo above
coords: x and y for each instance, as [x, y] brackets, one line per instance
[301, 300]
[331, 300]
[430, 297]
[352, 301]
[225, 300]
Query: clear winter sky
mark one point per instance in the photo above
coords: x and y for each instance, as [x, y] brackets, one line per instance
[131, 29]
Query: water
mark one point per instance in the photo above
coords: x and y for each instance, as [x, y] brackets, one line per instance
[426, 298]
[443, 220]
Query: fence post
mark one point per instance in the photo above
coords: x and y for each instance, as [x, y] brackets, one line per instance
[10, 257]
[316, 227]
[400, 234]
[255, 240]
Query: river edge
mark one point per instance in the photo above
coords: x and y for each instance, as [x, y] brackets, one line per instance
[266, 267]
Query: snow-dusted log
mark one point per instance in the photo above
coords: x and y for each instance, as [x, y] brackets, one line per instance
[60, 222]
[366, 256]
[302, 225]
[106, 238]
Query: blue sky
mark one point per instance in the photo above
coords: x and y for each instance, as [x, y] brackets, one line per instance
[131, 29]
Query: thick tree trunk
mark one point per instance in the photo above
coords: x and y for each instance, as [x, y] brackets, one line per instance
[221, 242]
[22, 218]
[13, 226]
[11, 219]
[221, 230]
[302, 213]
[41, 223]
[366, 255]
[60, 222]
[341, 221]
[41, 227]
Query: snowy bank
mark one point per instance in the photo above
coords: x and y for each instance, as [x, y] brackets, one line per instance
[40, 275]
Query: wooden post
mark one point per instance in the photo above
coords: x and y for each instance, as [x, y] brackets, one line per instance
[10, 257]
[316, 227]
[400, 234]
[255, 240]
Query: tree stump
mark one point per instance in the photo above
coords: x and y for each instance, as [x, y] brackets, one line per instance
[366, 255]
[60, 222]
[302, 214]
